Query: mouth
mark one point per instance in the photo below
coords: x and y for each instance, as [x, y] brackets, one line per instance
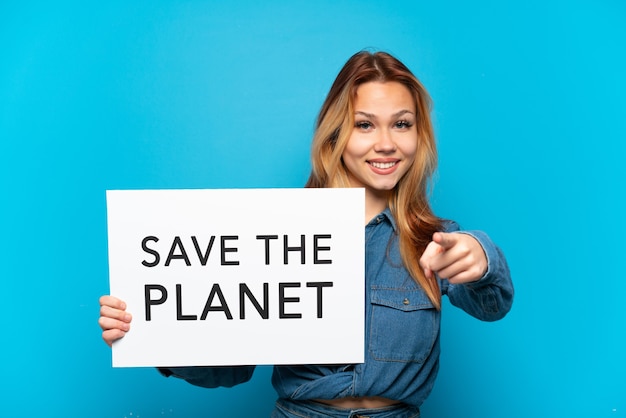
[383, 165]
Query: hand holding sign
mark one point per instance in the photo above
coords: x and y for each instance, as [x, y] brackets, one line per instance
[454, 256]
[114, 320]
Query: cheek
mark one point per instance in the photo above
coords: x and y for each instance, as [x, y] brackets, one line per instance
[349, 160]
[408, 147]
[352, 158]
[356, 146]
[353, 151]
[410, 154]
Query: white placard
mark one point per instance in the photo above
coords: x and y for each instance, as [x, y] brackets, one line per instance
[238, 276]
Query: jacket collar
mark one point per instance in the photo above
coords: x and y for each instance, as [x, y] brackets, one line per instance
[384, 215]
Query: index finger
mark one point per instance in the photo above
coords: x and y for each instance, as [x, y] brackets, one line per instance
[446, 239]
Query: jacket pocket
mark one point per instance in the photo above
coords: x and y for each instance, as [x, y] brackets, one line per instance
[404, 325]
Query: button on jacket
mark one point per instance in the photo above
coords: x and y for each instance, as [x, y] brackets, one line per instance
[401, 334]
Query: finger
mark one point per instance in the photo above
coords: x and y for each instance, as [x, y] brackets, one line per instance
[108, 312]
[428, 273]
[110, 323]
[458, 248]
[446, 239]
[462, 278]
[462, 265]
[113, 302]
[454, 269]
[472, 273]
[428, 257]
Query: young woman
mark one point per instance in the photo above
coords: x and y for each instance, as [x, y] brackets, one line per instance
[374, 131]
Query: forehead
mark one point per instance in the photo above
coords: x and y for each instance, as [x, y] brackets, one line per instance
[391, 95]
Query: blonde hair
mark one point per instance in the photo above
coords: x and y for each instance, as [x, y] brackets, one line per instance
[408, 202]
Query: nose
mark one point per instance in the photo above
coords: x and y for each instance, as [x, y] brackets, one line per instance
[384, 142]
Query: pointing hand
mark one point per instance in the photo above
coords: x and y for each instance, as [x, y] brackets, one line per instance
[454, 256]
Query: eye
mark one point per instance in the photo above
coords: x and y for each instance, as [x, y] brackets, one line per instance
[403, 124]
[363, 125]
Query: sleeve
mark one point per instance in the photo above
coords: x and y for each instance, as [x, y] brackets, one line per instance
[491, 297]
[210, 377]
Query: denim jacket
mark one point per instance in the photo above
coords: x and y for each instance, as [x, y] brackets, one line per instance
[401, 334]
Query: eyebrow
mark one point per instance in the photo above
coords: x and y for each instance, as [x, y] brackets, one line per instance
[395, 115]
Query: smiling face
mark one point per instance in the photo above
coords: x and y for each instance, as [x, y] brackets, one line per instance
[383, 142]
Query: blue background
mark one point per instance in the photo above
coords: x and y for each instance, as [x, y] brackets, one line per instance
[530, 117]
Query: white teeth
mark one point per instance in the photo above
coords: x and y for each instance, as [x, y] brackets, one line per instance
[382, 165]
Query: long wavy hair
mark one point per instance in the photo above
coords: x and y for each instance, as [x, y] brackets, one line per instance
[408, 201]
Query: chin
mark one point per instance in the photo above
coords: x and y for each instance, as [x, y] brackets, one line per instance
[384, 187]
